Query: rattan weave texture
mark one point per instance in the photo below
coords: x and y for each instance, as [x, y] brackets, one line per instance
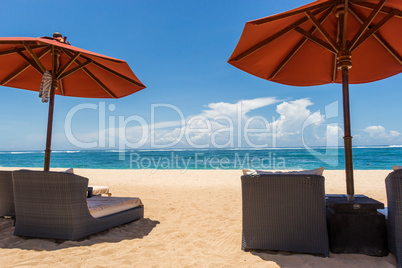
[54, 205]
[284, 212]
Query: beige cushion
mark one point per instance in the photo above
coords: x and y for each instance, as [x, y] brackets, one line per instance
[318, 171]
[250, 172]
[70, 170]
[100, 190]
[397, 167]
[100, 206]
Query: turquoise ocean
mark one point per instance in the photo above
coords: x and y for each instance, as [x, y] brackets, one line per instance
[364, 158]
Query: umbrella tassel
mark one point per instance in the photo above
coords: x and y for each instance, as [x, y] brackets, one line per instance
[45, 86]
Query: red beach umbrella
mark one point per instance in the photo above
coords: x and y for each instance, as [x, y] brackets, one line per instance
[326, 41]
[69, 71]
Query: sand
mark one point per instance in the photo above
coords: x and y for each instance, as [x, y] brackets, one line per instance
[192, 219]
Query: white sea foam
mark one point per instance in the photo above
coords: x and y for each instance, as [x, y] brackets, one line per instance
[69, 152]
[372, 147]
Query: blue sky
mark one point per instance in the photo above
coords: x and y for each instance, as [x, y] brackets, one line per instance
[179, 50]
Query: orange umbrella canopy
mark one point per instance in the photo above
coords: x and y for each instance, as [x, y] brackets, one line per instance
[327, 41]
[300, 47]
[26, 62]
[80, 73]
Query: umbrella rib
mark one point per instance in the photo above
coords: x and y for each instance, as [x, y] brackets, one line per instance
[374, 29]
[32, 63]
[273, 37]
[61, 87]
[73, 70]
[11, 42]
[384, 43]
[34, 57]
[388, 47]
[385, 10]
[92, 76]
[98, 56]
[345, 28]
[324, 5]
[335, 68]
[366, 24]
[315, 40]
[111, 71]
[322, 30]
[288, 58]
[298, 46]
[68, 64]
[54, 62]
[99, 83]
[116, 73]
[12, 51]
[22, 68]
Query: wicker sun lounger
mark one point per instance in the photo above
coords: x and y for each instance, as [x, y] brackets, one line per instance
[284, 212]
[54, 205]
[393, 184]
[6, 194]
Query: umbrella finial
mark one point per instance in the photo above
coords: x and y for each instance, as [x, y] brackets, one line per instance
[57, 36]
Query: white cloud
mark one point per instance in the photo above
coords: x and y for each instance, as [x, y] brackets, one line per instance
[232, 110]
[294, 117]
[223, 125]
[379, 132]
[333, 134]
[334, 131]
[213, 127]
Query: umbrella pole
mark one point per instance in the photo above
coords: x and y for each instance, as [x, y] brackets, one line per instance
[347, 135]
[55, 65]
[49, 128]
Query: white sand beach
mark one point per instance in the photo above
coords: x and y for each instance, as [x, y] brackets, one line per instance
[192, 219]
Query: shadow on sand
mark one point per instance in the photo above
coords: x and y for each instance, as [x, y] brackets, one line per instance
[130, 231]
[287, 259]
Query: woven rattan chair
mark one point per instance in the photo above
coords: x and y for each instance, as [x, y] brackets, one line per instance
[284, 212]
[54, 205]
[6, 194]
[393, 184]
